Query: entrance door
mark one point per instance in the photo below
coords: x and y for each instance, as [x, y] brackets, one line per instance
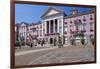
[51, 40]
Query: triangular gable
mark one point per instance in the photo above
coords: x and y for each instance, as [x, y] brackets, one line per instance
[52, 11]
[23, 24]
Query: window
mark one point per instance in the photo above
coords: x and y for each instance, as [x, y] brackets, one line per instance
[24, 33]
[70, 31]
[91, 18]
[37, 27]
[65, 22]
[65, 32]
[65, 29]
[33, 29]
[43, 31]
[84, 26]
[77, 28]
[40, 32]
[84, 18]
[71, 26]
[40, 26]
[91, 26]
[37, 32]
[66, 38]
[60, 29]
[71, 22]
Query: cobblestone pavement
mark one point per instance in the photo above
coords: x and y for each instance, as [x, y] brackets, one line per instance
[58, 55]
[25, 48]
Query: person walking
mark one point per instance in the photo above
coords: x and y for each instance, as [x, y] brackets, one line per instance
[42, 43]
[31, 44]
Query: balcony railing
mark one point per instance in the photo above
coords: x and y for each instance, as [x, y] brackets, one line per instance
[51, 34]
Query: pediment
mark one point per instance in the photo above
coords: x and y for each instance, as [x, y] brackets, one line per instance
[23, 24]
[52, 11]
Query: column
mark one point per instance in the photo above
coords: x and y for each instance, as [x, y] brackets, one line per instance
[42, 29]
[62, 25]
[49, 27]
[53, 26]
[45, 27]
[58, 25]
[62, 31]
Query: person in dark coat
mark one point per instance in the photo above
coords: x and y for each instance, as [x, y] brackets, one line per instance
[31, 45]
[41, 43]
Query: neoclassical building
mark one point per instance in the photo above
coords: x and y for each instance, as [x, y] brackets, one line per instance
[56, 24]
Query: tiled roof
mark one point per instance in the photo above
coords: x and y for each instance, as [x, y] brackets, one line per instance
[39, 22]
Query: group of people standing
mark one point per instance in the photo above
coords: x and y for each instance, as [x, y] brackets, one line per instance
[35, 42]
[43, 42]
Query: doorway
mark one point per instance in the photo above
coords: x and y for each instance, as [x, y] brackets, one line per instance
[51, 40]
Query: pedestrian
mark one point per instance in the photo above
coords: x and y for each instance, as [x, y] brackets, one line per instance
[42, 43]
[59, 45]
[59, 42]
[55, 42]
[31, 44]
